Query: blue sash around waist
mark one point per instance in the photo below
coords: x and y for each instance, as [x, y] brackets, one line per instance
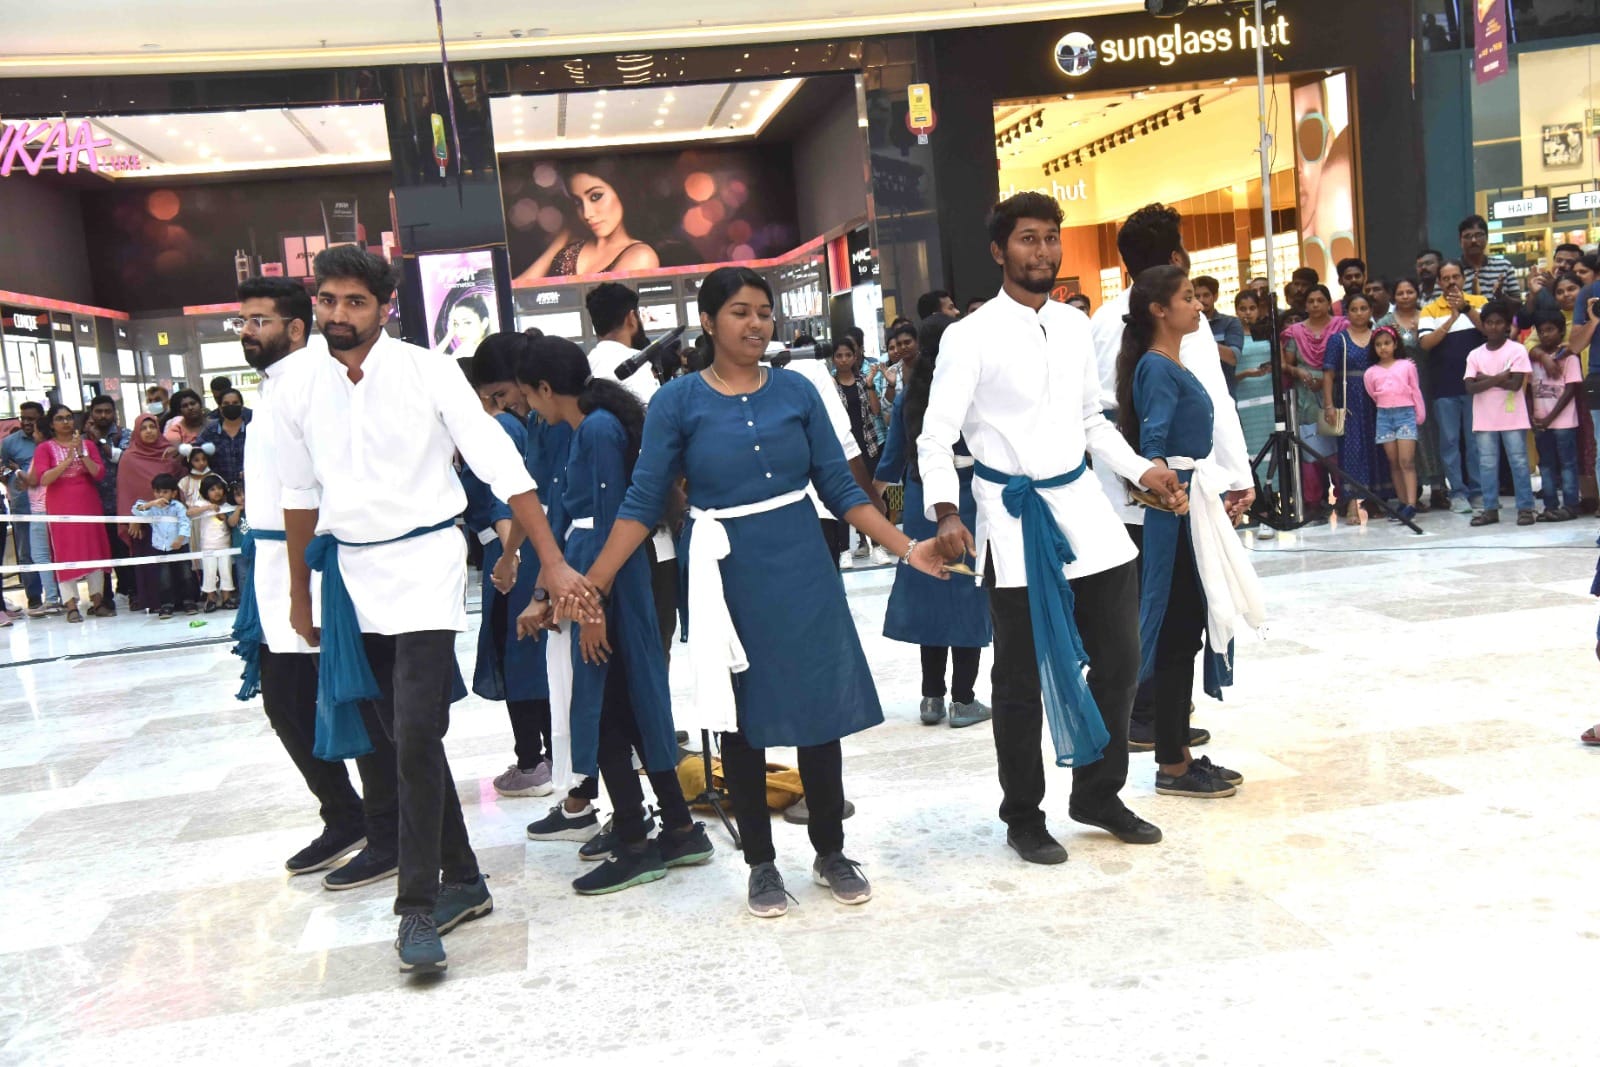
[1076, 726]
[344, 677]
[247, 622]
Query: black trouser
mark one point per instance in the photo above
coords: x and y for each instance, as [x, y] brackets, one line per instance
[619, 739]
[744, 770]
[664, 588]
[1107, 614]
[172, 577]
[836, 535]
[414, 673]
[289, 697]
[124, 575]
[962, 679]
[1182, 635]
[1144, 708]
[530, 727]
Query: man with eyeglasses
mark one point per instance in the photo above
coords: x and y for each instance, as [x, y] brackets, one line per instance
[273, 330]
[1491, 276]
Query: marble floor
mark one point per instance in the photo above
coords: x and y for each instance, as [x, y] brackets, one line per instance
[1401, 881]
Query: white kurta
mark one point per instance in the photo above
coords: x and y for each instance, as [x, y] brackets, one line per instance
[816, 372]
[375, 458]
[1023, 388]
[1229, 462]
[603, 360]
[263, 506]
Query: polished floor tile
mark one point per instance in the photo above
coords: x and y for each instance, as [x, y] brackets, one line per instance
[1406, 876]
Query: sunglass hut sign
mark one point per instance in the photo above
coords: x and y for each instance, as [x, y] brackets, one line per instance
[1077, 53]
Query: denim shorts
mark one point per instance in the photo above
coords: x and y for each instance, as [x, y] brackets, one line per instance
[1397, 424]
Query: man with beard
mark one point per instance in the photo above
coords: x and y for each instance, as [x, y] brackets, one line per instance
[1018, 380]
[614, 313]
[101, 428]
[274, 323]
[1429, 260]
[365, 439]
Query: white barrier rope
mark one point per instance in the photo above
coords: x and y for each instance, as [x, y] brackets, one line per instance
[119, 520]
[112, 564]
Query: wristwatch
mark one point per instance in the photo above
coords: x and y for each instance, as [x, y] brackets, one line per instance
[540, 596]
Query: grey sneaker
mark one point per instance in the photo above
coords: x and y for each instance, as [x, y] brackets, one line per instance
[969, 714]
[516, 782]
[768, 898]
[1460, 506]
[843, 878]
[932, 711]
[419, 946]
[861, 552]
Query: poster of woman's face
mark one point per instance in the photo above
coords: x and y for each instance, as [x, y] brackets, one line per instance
[1562, 145]
[458, 295]
[582, 216]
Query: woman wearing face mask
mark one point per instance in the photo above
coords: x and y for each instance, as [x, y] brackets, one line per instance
[147, 455]
[766, 609]
[1305, 343]
[603, 243]
[1347, 358]
[226, 434]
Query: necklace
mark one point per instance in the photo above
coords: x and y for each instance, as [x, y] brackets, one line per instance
[760, 375]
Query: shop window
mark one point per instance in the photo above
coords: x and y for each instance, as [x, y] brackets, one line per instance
[1439, 25]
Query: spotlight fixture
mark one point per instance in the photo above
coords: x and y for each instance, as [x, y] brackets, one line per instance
[1197, 107]
[1166, 9]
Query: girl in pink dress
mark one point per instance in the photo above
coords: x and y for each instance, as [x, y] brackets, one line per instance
[68, 467]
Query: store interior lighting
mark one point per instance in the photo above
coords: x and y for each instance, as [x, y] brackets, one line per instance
[1127, 134]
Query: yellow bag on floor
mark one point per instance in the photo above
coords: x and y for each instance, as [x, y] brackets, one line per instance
[783, 783]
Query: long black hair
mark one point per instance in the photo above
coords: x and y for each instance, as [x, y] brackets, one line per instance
[721, 284]
[921, 380]
[1155, 285]
[560, 364]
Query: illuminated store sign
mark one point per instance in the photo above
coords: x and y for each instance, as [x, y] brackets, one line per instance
[1077, 53]
[1519, 209]
[61, 145]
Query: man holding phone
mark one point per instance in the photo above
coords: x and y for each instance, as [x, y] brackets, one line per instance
[1542, 284]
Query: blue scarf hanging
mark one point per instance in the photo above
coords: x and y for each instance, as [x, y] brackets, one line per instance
[1076, 726]
[247, 622]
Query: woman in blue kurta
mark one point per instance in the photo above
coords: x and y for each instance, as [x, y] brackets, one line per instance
[1346, 361]
[1166, 414]
[620, 700]
[771, 640]
[507, 669]
[950, 620]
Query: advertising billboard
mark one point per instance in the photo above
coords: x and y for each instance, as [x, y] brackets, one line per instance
[458, 297]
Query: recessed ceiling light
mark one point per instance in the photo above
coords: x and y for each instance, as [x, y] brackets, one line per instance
[258, 138]
[204, 151]
[670, 98]
[602, 92]
[594, 126]
[271, 149]
[188, 144]
[662, 110]
[755, 92]
[600, 105]
[172, 133]
[661, 122]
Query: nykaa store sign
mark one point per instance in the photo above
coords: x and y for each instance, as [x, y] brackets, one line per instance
[59, 145]
[1078, 53]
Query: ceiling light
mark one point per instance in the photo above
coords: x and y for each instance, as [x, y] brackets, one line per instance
[755, 92]
[594, 126]
[661, 122]
[271, 149]
[204, 151]
[662, 110]
[600, 105]
[258, 138]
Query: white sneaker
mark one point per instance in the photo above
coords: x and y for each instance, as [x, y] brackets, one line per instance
[845, 562]
[881, 558]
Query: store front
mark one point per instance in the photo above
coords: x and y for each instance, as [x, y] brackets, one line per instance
[1109, 114]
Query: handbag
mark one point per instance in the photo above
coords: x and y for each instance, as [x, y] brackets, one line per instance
[1334, 426]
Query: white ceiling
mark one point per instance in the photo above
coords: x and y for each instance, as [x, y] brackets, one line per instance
[144, 36]
[1074, 122]
[637, 116]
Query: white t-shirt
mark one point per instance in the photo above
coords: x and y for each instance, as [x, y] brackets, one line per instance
[603, 360]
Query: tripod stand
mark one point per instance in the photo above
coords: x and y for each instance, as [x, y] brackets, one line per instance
[1279, 501]
[712, 796]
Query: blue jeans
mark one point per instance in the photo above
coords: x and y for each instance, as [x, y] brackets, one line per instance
[31, 584]
[1456, 447]
[1515, 444]
[1558, 461]
[39, 552]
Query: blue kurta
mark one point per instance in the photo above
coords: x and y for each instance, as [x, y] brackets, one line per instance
[1358, 453]
[922, 609]
[593, 486]
[1175, 419]
[808, 681]
[506, 669]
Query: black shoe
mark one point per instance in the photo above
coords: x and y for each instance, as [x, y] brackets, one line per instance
[1218, 771]
[1198, 737]
[1196, 782]
[325, 851]
[1036, 845]
[1141, 736]
[562, 825]
[165, 612]
[685, 848]
[629, 865]
[1122, 824]
[419, 946]
[598, 847]
[365, 868]
[461, 902]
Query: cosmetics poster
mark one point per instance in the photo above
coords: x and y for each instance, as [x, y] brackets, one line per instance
[458, 296]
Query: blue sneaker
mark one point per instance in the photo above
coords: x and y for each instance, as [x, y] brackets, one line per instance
[461, 902]
[421, 951]
[627, 867]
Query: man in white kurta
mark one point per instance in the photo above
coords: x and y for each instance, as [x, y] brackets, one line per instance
[1153, 237]
[366, 439]
[276, 326]
[1018, 379]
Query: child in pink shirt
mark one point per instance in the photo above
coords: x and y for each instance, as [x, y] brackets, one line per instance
[1392, 384]
[1497, 370]
[1557, 377]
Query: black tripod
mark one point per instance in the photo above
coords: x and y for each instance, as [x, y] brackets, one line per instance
[713, 797]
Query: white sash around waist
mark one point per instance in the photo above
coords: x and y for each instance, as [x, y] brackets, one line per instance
[487, 535]
[715, 652]
[963, 462]
[585, 523]
[1231, 587]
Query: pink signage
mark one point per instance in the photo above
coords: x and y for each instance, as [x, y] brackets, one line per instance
[59, 144]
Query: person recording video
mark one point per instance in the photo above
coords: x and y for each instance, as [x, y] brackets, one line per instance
[614, 313]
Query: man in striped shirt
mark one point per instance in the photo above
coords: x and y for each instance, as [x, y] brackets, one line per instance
[1488, 276]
